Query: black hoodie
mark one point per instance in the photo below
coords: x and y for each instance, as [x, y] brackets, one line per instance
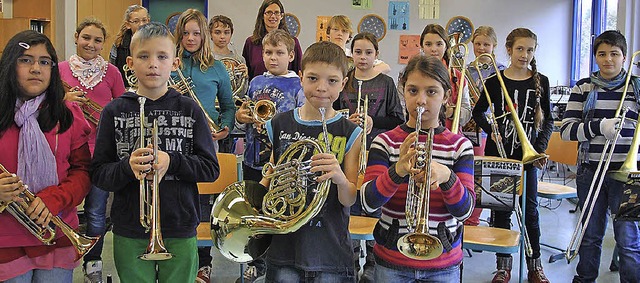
[183, 134]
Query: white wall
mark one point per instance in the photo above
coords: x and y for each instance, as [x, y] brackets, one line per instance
[549, 19]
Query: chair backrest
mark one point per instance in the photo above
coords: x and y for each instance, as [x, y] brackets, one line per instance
[228, 175]
[561, 151]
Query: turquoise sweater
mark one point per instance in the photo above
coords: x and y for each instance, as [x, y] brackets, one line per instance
[213, 82]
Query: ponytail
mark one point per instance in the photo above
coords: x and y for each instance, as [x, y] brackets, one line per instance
[539, 113]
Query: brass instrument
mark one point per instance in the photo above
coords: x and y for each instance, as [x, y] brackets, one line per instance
[185, 86]
[89, 108]
[629, 167]
[418, 244]
[45, 234]
[239, 220]
[239, 79]
[460, 64]
[150, 211]
[131, 78]
[495, 132]
[363, 108]
[261, 111]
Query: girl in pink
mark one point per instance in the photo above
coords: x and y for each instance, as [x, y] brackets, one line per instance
[44, 143]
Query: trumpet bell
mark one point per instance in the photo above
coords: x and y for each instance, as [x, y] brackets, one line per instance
[420, 246]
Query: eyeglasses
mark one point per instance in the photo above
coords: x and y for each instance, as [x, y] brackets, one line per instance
[271, 13]
[139, 21]
[29, 61]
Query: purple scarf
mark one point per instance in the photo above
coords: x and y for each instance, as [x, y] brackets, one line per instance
[36, 162]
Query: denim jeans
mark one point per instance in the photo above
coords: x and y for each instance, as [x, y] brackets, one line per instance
[44, 276]
[290, 274]
[446, 275]
[502, 219]
[625, 232]
[95, 210]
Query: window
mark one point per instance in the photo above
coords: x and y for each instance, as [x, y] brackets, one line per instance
[590, 18]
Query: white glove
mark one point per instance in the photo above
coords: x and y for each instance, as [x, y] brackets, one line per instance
[608, 127]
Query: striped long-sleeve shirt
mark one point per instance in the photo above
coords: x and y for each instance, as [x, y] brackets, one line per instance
[451, 204]
[575, 129]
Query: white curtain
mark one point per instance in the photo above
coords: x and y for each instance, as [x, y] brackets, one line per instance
[629, 25]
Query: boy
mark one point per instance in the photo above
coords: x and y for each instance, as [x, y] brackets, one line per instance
[321, 250]
[589, 120]
[184, 158]
[221, 29]
[279, 85]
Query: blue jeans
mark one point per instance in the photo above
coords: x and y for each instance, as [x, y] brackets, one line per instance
[286, 274]
[625, 232]
[95, 211]
[446, 275]
[44, 276]
[502, 219]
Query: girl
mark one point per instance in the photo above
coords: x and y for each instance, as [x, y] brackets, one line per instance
[384, 113]
[45, 144]
[92, 78]
[529, 90]
[484, 40]
[134, 17]
[269, 17]
[434, 42]
[391, 160]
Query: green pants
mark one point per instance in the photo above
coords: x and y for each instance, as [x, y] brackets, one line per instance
[182, 267]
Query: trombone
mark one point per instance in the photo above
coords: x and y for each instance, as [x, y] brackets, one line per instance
[622, 174]
[459, 63]
[45, 234]
[184, 85]
[495, 132]
[150, 212]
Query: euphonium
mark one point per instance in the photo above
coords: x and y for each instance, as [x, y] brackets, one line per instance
[150, 197]
[45, 234]
[89, 108]
[621, 174]
[261, 111]
[239, 219]
[418, 244]
[238, 78]
[185, 86]
[363, 108]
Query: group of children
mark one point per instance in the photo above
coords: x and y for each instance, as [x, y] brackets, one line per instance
[55, 153]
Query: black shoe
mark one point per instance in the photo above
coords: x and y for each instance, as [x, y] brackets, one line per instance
[368, 274]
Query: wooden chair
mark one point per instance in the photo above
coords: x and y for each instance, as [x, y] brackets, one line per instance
[563, 153]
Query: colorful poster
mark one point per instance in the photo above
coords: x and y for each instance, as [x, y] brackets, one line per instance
[409, 46]
[398, 15]
[321, 27]
[429, 9]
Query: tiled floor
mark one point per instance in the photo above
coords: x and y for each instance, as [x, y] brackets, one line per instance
[557, 224]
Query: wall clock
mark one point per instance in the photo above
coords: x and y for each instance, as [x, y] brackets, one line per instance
[374, 24]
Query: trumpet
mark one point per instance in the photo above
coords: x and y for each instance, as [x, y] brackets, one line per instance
[238, 219]
[185, 86]
[89, 108]
[45, 234]
[363, 108]
[418, 244]
[261, 111]
[622, 174]
[150, 197]
[529, 155]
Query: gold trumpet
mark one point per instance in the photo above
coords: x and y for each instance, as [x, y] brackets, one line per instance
[621, 174]
[418, 244]
[45, 234]
[239, 219]
[363, 108]
[149, 191]
[89, 108]
[185, 86]
[261, 111]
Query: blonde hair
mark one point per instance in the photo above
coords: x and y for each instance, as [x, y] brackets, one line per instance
[204, 55]
[123, 28]
[486, 31]
[341, 22]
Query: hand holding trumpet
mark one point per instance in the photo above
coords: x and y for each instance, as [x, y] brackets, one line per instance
[75, 94]
[141, 163]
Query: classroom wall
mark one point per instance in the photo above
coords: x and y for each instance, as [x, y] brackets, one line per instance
[549, 19]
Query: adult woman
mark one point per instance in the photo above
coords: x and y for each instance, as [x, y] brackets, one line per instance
[269, 17]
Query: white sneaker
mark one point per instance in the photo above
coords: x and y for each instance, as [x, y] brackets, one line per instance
[93, 272]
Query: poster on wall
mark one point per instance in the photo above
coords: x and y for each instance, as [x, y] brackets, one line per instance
[1, 9]
[398, 15]
[409, 46]
[429, 9]
[321, 27]
[361, 4]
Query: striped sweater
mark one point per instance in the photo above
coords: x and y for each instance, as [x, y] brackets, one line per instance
[575, 129]
[451, 204]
